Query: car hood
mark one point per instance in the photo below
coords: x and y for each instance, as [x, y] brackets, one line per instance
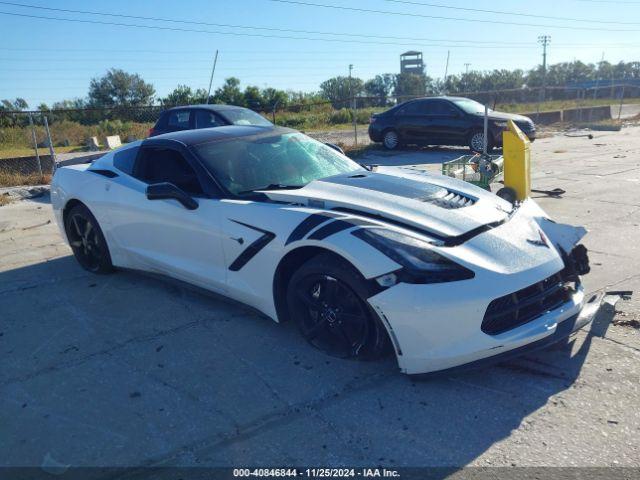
[438, 205]
[501, 116]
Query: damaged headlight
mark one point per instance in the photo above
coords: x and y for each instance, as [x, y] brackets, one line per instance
[420, 263]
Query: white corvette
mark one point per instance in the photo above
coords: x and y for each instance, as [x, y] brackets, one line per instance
[439, 271]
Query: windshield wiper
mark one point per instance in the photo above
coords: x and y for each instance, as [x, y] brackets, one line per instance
[271, 186]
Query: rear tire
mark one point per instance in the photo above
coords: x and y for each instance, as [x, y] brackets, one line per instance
[476, 142]
[391, 140]
[326, 299]
[87, 241]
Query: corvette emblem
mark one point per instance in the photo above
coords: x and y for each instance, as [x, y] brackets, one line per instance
[541, 242]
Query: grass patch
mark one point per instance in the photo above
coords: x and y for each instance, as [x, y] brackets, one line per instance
[11, 179]
[15, 152]
[5, 200]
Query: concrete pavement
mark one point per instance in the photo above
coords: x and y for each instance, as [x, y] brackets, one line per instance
[133, 370]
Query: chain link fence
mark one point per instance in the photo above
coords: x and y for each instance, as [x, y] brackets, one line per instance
[30, 141]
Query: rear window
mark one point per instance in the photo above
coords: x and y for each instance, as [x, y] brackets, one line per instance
[179, 119]
[124, 158]
[244, 116]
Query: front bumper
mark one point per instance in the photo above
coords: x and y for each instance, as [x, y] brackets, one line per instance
[375, 132]
[440, 333]
[564, 329]
[439, 326]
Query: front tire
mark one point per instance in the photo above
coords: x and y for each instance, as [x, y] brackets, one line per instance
[325, 298]
[476, 142]
[391, 140]
[87, 241]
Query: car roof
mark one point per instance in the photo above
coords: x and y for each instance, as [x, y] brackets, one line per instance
[205, 135]
[441, 97]
[213, 107]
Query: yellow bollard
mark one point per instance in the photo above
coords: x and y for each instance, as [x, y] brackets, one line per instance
[517, 161]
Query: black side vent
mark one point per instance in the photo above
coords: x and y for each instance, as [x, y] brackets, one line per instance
[104, 173]
[451, 200]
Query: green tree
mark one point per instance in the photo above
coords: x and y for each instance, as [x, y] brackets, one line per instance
[119, 88]
[273, 98]
[229, 92]
[17, 104]
[339, 90]
[184, 95]
[410, 85]
[381, 87]
[253, 98]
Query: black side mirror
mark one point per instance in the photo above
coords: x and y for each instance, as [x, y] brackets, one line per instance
[165, 190]
[335, 147]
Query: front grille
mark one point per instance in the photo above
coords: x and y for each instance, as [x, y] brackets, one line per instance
[451, 200]
[525, 305]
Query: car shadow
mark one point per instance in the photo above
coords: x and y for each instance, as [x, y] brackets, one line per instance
[153, 352]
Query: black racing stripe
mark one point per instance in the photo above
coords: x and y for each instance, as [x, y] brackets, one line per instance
[397, 223]
[253, 249]
[328, 230]
[308, 224]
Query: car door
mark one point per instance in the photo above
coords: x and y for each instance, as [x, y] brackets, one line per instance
[447, 124]
[162, 235]
[413, 121]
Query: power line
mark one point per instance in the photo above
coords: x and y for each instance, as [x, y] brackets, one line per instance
[518, 14]
[251, 27]
[237, 34]
[438, 17]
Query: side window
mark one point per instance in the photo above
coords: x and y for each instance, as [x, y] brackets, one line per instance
[413, 108]
[156, 165]
[207, 119]
[443, 109]
[124, 158]
[179, 120]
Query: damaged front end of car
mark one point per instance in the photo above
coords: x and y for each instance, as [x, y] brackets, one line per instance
[525, 292]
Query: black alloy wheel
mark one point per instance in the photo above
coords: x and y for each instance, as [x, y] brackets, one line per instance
[87, 241]
[325, 300]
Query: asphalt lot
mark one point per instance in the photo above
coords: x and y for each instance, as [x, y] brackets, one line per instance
[132, 370]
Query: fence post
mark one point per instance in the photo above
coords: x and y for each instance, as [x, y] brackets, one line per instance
[355, 121]
[35, 143]
[621, 100]
[486, 130]
[50, 142]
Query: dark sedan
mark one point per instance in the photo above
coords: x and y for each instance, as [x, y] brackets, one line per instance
[443, 121]
[206, 116]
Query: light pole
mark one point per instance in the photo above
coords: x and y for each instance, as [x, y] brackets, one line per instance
[213, 70]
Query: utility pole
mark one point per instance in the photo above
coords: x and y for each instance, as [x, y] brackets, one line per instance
[544, 40]
[446, 72]
[353, 106]
[466, 68]
[215, 60]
